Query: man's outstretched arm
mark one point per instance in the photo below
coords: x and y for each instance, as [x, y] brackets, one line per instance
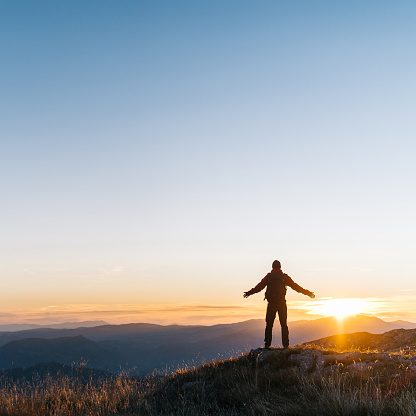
[256, 288]
[300, 289]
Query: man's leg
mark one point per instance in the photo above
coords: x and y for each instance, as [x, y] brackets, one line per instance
[282, 310]
[270, 317]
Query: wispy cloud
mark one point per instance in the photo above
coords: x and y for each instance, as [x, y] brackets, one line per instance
[361, 269]
[125, 313]
[114, 271]
[7, 315]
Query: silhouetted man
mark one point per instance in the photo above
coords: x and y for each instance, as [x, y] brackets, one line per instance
[276, 282]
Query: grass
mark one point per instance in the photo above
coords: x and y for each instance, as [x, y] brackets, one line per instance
[240, 386]
[65, 395]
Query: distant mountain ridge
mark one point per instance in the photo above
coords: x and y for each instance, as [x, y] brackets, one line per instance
[64, 350]
[64, 325]
[143, 348]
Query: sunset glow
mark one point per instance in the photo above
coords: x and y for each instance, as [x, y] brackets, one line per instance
[340, 308]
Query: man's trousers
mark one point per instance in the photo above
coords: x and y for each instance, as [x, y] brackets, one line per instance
[281, 309]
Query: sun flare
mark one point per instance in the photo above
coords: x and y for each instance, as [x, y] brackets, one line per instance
[341, 308]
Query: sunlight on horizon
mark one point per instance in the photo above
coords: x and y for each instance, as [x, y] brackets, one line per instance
[341, 308]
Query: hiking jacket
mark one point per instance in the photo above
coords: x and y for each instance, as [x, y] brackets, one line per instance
[287, 281]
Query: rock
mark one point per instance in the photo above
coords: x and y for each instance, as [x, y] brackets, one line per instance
[261, 354]
[314, 361]
[305, 362]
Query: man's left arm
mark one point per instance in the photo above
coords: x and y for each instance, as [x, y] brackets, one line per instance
[289, 282]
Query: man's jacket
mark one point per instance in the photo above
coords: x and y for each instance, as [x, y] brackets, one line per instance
[276, 282]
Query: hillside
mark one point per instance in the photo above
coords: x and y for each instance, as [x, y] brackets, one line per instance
[298, 381]
[391, 341]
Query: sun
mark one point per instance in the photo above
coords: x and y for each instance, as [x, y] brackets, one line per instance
[340, 308]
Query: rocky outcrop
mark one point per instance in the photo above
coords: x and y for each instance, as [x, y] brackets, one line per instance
[309, 360]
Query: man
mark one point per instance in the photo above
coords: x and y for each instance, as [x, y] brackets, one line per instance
[276, 282]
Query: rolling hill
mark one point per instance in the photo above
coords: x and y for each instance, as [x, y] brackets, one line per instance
[391, 341]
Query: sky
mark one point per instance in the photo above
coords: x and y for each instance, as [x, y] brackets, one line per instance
[157, 156]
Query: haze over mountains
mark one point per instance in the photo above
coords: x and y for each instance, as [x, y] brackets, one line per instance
[64, 325]
[143, 348]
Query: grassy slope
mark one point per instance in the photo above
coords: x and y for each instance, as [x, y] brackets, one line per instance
[242, 386]
[277, 387]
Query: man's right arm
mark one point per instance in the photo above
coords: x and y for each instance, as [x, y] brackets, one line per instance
[256, 288]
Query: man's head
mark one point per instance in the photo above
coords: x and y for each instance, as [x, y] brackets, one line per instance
[276, 264]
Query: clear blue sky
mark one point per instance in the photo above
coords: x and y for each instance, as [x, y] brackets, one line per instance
[161, 152]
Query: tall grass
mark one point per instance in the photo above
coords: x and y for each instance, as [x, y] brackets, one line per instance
[239, 386]
[61, 396]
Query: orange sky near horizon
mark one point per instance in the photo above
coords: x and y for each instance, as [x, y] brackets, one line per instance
[389, 309]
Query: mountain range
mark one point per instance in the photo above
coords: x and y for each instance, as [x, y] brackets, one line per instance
[64, 325]
[141, 348]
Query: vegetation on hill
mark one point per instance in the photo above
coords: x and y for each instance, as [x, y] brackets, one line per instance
[266, 382]
[395, 340]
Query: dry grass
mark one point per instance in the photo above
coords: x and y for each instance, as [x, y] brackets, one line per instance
[231, 387]
[239, 387]
[70, 396]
